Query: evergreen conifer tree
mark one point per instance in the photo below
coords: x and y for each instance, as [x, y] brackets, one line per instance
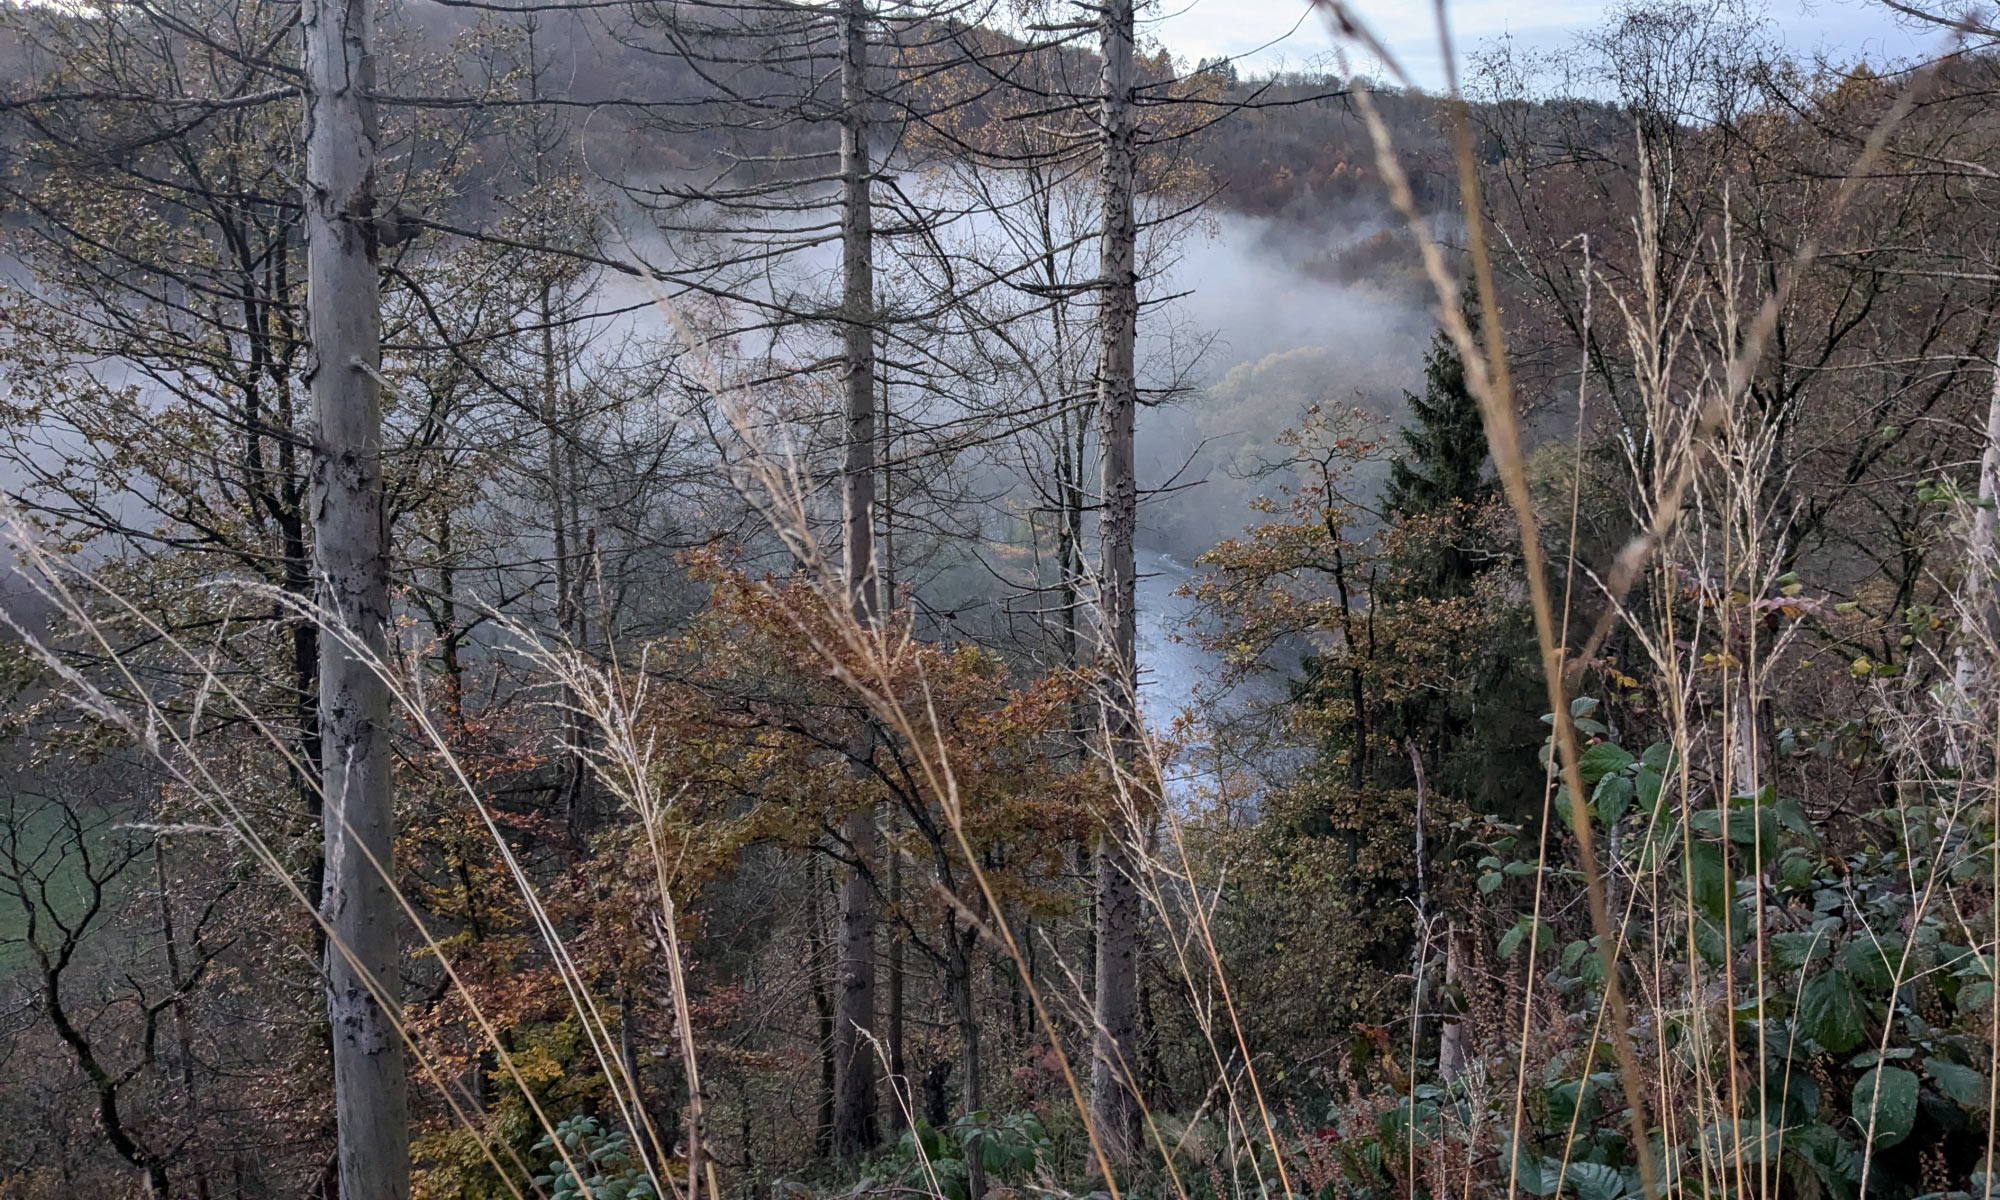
[1441, 475]
[1444, 464]
[1480, 738]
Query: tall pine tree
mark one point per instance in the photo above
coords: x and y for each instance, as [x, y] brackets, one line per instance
[1479, 735]
[1440, 479]
[1443, 467]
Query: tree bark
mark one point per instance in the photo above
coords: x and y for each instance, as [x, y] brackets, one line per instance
[1747, 749]
[1980, 615]
[903, 1109]
[1452, 1054]
[350, 548]
[855, 1129]
[183, 1037]
[1113, 1103]
[823, 1007]
[571, 565]
[966, 1011]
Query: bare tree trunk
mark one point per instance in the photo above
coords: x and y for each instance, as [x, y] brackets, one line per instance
[1746, 753]
[1980, 618]
[1451, 1035]
[899, 1074]
[1420, 966]
[1113, 1102]
[854, 1125]
[857, 243]
[350, 549]
[965, 1010]
[885, 499]
[570, 566]
[183, 1039]
[822, 1010]
[628, 1054]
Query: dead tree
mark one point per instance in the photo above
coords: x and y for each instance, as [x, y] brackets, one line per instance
[351, 560]
[1113, 1091]
[855, 1128]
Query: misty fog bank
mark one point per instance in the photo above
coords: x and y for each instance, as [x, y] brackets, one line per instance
[1280, 335]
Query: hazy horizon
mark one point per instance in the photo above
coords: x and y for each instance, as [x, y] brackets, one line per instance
[1269, 35]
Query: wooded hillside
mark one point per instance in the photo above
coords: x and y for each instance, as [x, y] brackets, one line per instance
[723, 600]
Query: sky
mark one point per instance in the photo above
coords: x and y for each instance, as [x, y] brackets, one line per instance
[1844, 30]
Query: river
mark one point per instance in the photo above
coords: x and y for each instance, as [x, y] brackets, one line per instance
[1177, 674]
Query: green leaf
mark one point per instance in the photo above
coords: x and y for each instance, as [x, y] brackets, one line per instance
[1538, 1176]
[1793, 818]
[1790, 1096]
[1489, 881]
[1590, 969]
[1831, 1012]
[1887, 1096]
[1741, 1140]
[1601, 760]
[1795, 870]
[1596, 1181]
[1709, 942]
[1965, 1086]
[1755, 827]
[1512, 940]
[1708, 884]
[1837, 1164]
[1745, 826]
[1613, 798]
[951, 1178]
[1575, 1100]
[1868, 961]
[1794, 950]
[1647, 790]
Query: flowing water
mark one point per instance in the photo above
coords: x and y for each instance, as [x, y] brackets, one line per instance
[1177, 674]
